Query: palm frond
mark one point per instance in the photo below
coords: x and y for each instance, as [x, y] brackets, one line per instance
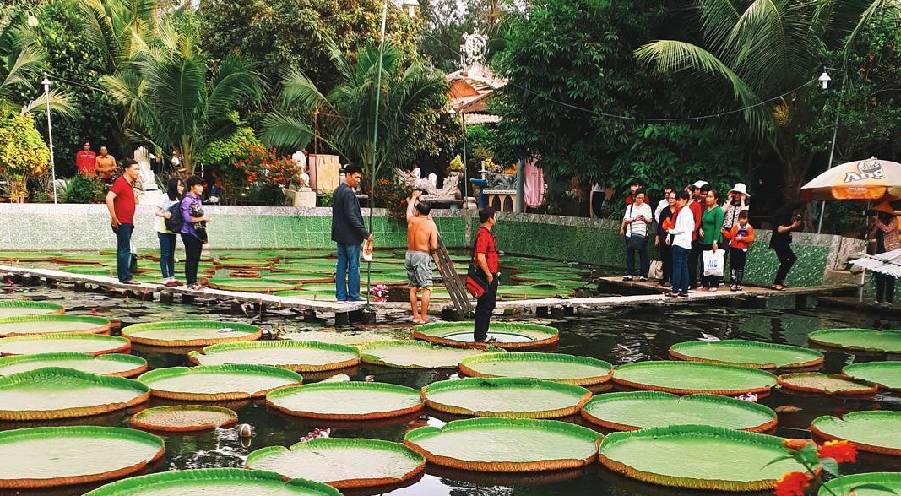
[286, 131]
[59, 102]
[25, 65]
[235, 83]
[718, 17]
[890, 8]
[675, 56]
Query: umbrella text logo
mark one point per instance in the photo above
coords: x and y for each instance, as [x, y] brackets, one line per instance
[865, 170]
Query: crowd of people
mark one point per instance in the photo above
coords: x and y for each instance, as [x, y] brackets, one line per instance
[696, 233]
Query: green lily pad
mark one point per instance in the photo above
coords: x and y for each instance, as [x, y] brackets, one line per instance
[346, 338]
[693, 378]
[516, 445]
[505, 397]
[55, 393]
[86, 258]
[341, 463]
[190, 333]
[414, 355]
[858, 339]
[300, 356]
[184, 418]
[44, 457]
[217, 382]
[642, 409]
[885, 374]
[346, 400]
[300, 277]
[743, 353]
[825, 384]
[523, 292]
[870, 484]
[18, 308]
[699, 457]
[90, 270]
[214, 481]
[250, 285]
[115, 364]
[512, 335]
[34, 325]
[874, 431]
[558, 367]
[28, 256]
[94, 344]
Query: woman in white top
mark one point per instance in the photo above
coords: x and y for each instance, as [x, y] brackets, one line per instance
[680, 240]
[175, 188]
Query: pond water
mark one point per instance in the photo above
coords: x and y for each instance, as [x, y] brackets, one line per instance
[618, 336]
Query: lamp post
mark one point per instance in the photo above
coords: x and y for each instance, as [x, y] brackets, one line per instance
[824, 81]
[46, 83]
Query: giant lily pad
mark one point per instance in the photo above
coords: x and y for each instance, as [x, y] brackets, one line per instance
[506, 445]
[305, 254]
[85, 258]
[699, 457]
[346, 338]
[346, 400]
[558, 367]
[300, 356]
[524, 292]
[877, 432]
[95, 344]
[33, 325]
[45, 457]
[217, 382]
[507, 335]
[413, 355]
[237, 263]
[184, 418]
[742, 353]
[300, 277]
[871, 340]
[115, 364]
[885, 374]
[55, 393]
[870, 484]
[642, 409]
[826, 384]
[28, 256]
[250, 285]
[190, 333]
[90, 270]
[505, 397]
[18, 308]
[693, 378]
[341, 463]
[214, 481]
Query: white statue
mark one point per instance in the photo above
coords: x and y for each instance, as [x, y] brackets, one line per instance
[147, 177]
[300, 158]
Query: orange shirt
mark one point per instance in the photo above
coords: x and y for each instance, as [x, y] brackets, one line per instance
[105, 166]
[746, 240]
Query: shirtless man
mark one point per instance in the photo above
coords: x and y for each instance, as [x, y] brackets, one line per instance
[422, 240]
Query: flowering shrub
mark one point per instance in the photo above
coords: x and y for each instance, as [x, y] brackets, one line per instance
[817, 460]
[380, 292]
[263, 166]
[393, 197]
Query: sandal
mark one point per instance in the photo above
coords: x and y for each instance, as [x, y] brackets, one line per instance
[778, 287]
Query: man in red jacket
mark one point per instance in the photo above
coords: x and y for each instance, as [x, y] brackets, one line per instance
[85, 160]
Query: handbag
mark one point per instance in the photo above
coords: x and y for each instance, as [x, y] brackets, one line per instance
[714, 263]
[656, 270]
[476, 279]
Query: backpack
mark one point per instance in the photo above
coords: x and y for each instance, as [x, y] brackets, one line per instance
[175, 221]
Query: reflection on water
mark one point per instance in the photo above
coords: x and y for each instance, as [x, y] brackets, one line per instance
[619, 336]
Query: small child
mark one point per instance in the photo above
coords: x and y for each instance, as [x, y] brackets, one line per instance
[740, 238]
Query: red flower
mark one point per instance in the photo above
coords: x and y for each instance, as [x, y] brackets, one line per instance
[840, 451]
[792, 484]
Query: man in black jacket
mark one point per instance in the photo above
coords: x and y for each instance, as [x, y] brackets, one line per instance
[348, 231]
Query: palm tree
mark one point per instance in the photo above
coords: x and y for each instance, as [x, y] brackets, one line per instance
[768, 54]
[345, 117]
[174, 100]
[21, 61]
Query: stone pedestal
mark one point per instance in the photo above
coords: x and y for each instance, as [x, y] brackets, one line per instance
[503, 200]
[302, 198]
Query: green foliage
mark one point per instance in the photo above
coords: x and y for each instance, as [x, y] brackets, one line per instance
[82, 189]
[456, 165]
[226, 152]
[23, 153]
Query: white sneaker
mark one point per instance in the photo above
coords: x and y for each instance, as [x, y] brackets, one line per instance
[713, 289]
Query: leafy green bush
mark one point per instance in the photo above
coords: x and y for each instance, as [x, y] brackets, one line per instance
[82, 189]
[23, 153]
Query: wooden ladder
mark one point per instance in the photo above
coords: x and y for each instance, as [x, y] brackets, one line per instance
[455, 287]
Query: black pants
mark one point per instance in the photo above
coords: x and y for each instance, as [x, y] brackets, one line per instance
[639, 244]
[787, 258]
[597, 203]
[666, 256]
[885, 288]
[193, 248]
[484, 308]
[709, 281]
[738, 260]
[694, 261]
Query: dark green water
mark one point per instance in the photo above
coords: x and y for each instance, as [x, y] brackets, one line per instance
[618, 336]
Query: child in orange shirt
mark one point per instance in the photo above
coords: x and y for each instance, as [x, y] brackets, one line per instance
[740, 238]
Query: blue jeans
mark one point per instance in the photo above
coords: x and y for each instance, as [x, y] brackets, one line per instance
[167, 254]
[347, 275]
[639, 244]
[680, 269]
[123, 251]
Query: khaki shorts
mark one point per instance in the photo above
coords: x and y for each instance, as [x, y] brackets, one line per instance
[419, 269]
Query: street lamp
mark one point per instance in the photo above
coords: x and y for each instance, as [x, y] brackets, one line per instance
[46, 83]
[824, 80]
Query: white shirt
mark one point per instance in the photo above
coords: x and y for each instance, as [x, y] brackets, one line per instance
[685, 225]
[638, 227]
[660, 206]
[165, 204]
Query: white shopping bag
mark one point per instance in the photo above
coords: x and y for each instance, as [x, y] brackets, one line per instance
[714, 263]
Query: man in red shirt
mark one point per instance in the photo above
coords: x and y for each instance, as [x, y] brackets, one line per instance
[121, 204]
[484, 287]
[85, 160]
